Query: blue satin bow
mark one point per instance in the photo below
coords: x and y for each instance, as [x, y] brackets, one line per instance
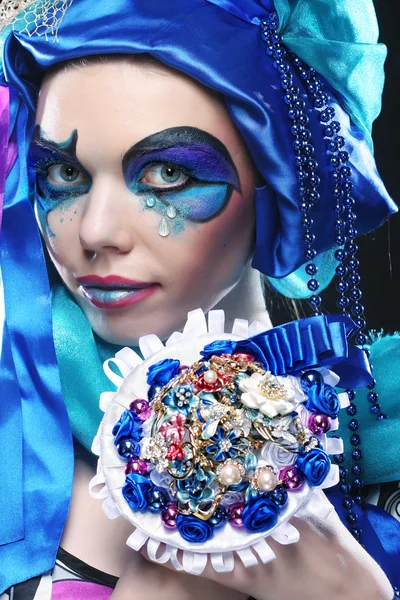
[309, 343]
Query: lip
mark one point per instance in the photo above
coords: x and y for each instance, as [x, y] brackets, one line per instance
[114, 281]
[114, 292]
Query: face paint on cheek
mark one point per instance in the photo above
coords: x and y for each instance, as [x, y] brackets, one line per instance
[72, 180]
[201, 202]
[184, 174]
[46, 204]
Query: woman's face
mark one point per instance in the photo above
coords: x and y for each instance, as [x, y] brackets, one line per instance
[144, 195]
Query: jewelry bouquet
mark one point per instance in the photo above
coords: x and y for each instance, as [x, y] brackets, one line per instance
[214, 441]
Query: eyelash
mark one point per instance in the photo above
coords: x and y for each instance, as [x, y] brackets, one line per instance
[60, 192]
[159, 190]
[40, 171]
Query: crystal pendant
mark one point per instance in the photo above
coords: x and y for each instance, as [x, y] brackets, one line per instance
[163, 228]
[171, 212]
[150, 202]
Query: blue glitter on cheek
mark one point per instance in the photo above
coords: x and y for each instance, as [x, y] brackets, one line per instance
[63, 204]
[201, 202]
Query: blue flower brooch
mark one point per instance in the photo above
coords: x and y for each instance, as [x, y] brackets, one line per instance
[214, 441]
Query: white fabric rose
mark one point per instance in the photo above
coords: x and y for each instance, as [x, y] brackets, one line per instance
[253, 396]
[275, 456]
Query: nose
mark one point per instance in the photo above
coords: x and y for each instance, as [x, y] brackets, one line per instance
[106, 222]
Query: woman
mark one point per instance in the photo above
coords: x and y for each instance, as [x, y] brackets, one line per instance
[144, 173]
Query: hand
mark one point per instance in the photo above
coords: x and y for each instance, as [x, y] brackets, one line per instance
[327, 562]
[144, 580]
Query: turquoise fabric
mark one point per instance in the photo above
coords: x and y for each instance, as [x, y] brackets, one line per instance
[380, 441]
[339, 38]
[80, 356]
[295, 284]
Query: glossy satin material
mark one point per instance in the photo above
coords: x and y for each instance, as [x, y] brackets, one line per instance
[80, 356]
[295, 284]
[317, 341]
[337, 38]
[37, 457]
[380, 441]
[381, 533]
[221, 49]
[229, 56]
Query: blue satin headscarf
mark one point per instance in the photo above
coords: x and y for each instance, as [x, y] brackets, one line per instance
[217, 42]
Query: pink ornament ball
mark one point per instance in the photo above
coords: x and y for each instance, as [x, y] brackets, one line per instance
[292, 478]
[137, 466]
[235, 515]
[168, 516]
[319, 424]
[141, 408]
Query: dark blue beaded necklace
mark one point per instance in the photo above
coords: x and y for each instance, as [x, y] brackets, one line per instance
[348, 279]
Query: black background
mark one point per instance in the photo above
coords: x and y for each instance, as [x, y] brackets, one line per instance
[380, 251]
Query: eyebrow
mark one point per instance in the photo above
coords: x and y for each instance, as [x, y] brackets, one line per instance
[42, 142]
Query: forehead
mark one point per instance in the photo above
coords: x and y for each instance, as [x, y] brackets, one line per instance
[114, 105]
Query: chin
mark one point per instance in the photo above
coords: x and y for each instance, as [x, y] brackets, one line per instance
[124, 329]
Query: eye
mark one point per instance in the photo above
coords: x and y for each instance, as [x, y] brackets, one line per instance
[64, 173]
[164, 175]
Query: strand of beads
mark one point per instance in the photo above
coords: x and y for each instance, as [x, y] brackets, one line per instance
[306, 166]
[347, 269]
[306, 172]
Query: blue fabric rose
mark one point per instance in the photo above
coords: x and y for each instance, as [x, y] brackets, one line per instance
[314, 465]
[260, 515]
[162, 372]
[323, 398]
[127, 426]
[135, 490]
[218, 347]
[193, 529]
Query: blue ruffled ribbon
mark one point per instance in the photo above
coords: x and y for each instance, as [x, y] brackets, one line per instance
[320, 341]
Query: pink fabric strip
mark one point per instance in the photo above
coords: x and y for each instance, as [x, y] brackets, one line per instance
[8, 149]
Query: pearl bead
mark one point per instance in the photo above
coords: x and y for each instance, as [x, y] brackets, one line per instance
[266, 479]
[141, 408]
[230, 475]
[311, 378]
[168, 516]
[137, 466]
[157, 499]
[319, 424]
[127, 448]
[292, 478]
[219, 517]
[235, 515]
[210, 376]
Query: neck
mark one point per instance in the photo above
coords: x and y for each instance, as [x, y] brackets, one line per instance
[245, 301]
